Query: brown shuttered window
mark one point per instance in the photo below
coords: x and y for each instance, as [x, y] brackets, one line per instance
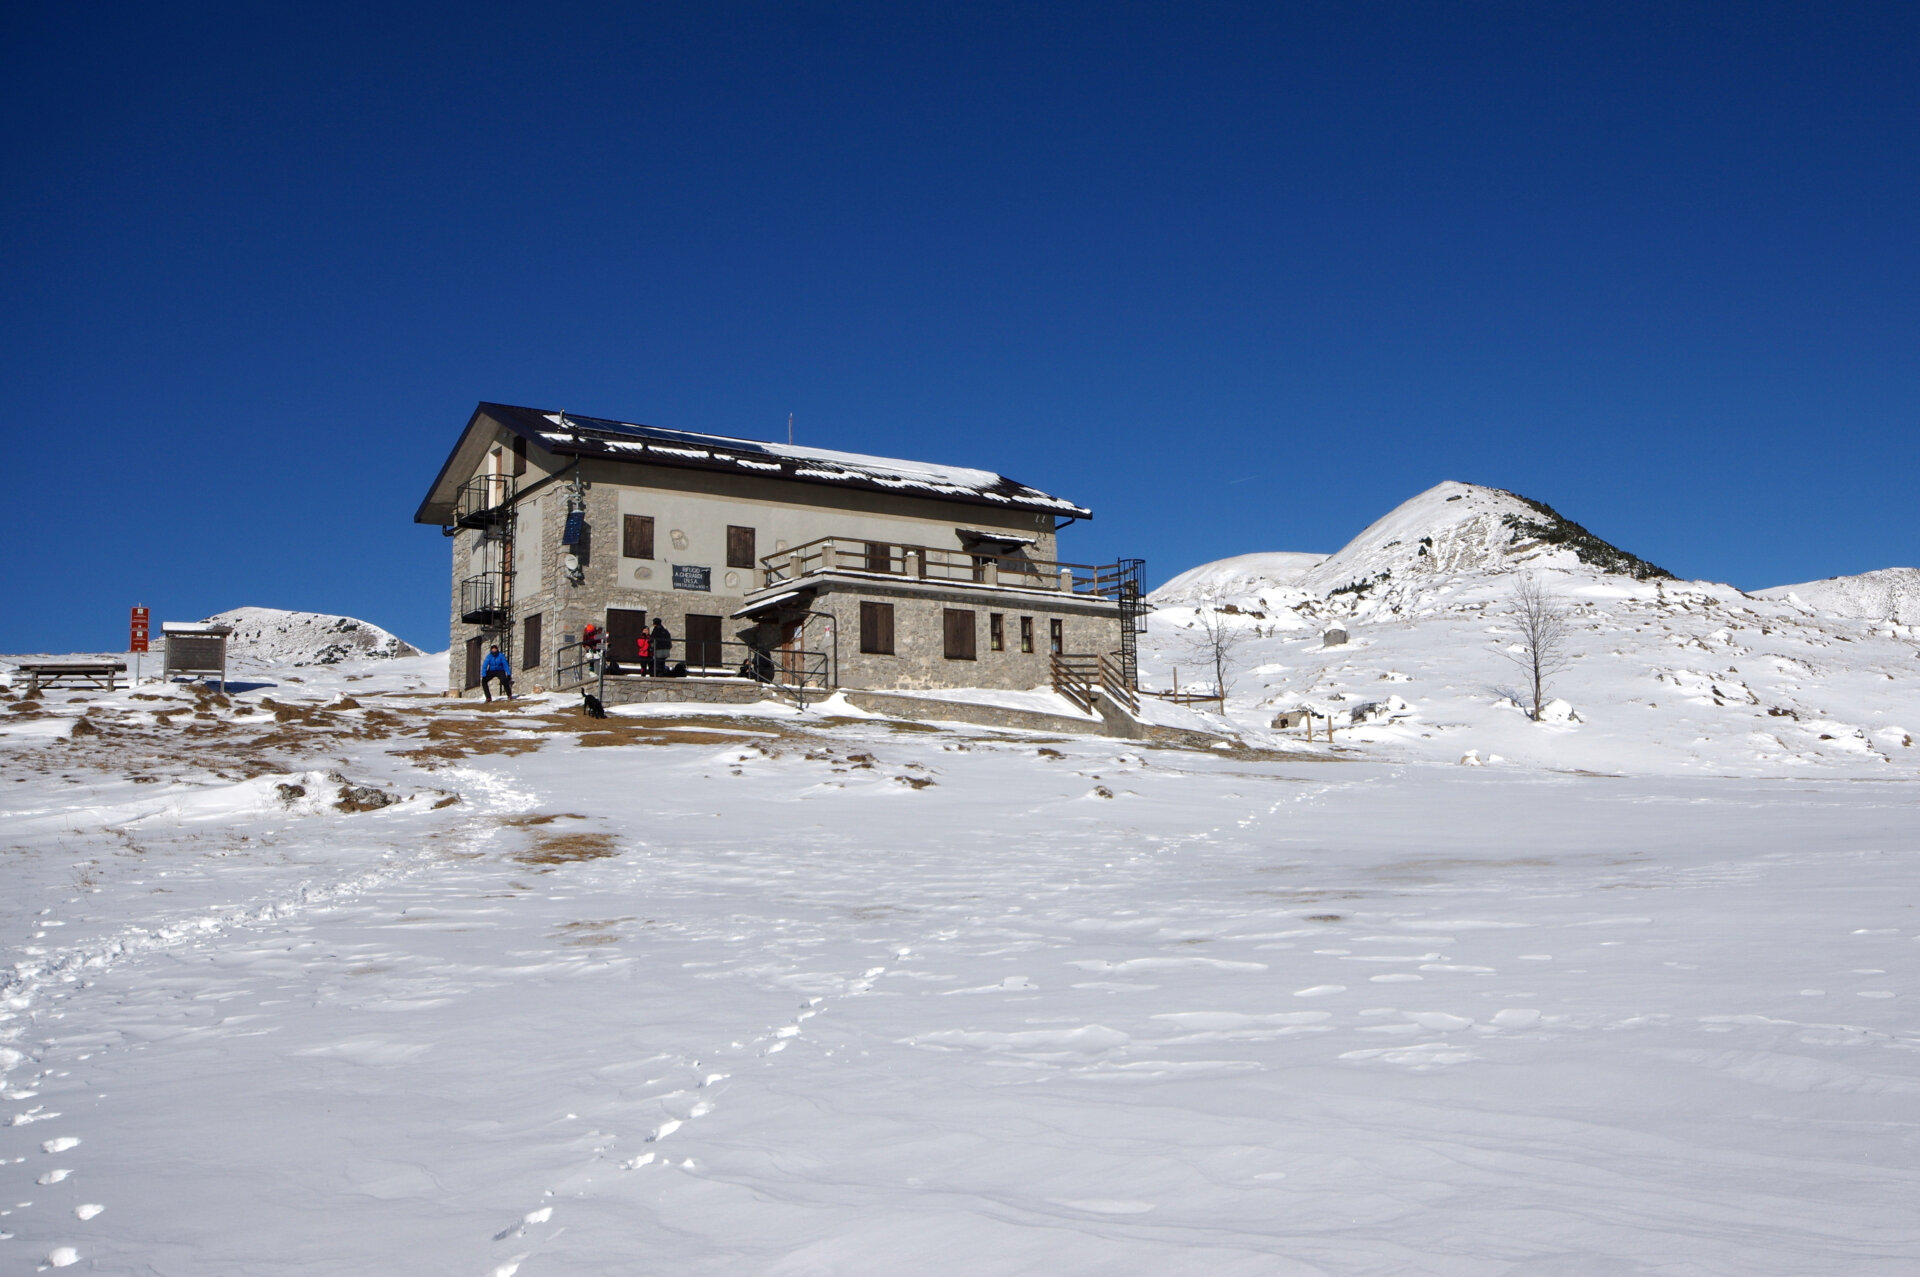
[879, 556]
[996, 631]
[876, 628]
[959, 634]
[637, 536]
[1026, 634]
[519, 456]
[530, 643]
[739, 547]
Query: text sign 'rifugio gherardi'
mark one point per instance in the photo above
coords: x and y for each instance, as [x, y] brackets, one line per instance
[690, 578]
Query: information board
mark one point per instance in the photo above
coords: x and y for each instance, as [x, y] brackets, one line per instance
[690, 578]
[137, 630]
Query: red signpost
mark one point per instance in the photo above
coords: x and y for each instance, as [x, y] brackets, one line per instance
[137, 630]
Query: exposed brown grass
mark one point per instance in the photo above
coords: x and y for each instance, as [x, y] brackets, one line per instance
[567, 849]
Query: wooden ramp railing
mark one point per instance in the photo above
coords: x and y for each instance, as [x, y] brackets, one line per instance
[1081, 679]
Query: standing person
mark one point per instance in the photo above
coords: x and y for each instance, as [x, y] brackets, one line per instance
[643, 649]
[662, 645]
[495, 666]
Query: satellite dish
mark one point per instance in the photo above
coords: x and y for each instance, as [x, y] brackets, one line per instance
[573, 563]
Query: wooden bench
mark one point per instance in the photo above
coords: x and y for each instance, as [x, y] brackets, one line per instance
[104, 675]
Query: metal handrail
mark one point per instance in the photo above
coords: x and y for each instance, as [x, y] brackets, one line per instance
[574, 665]
[937, 563]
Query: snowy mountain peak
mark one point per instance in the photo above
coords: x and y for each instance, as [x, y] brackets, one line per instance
[1455, 528]
[276, 637]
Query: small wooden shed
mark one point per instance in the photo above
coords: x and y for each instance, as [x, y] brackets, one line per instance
[194, 648]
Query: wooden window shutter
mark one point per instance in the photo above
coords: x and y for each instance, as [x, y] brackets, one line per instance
[876, 628]
[530, 644]
[959, 634]
[740, 547]
[519, 455]
[637, 535]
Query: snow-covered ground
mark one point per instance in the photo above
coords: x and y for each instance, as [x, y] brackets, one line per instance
[333, 975]
[1889, 594]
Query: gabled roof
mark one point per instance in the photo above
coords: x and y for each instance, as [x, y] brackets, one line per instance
[573, 434]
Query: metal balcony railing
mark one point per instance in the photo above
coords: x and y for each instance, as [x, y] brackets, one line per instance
[484, 501]
[484, 599]
[576, 666]
[934, 563]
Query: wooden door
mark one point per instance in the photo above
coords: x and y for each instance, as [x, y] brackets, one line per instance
[476, 653]
[703, 642]
[793, 665]
[624, 626]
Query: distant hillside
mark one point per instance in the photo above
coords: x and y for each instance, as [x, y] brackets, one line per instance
[276, 637]
[1240, 575]
[1890, 594]
[1660, 674]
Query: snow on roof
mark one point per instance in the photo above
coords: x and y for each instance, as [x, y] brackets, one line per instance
[573, 432]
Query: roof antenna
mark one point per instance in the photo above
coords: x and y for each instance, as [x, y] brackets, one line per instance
[789, 430]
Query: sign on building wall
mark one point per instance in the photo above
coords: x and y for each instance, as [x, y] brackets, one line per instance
[690, 578]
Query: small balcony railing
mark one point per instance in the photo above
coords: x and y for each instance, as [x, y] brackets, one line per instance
[484, 599]
[934, 563]
[484, 501]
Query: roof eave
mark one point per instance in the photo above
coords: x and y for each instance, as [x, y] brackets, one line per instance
[579, 447]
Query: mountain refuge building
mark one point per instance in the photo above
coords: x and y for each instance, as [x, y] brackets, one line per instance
[798, 568]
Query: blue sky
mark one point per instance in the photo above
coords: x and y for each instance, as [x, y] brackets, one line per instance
[1238, 277]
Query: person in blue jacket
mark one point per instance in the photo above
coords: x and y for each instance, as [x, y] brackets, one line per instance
[495, 666]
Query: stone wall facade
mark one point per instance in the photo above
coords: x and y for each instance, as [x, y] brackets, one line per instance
[691, 512]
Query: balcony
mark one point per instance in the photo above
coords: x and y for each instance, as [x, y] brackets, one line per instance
[846, 556]
[485, 599]
[484, 502]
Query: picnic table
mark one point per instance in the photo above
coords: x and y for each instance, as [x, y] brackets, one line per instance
[104, 675]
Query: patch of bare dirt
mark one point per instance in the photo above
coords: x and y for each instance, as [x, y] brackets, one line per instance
[567, 849]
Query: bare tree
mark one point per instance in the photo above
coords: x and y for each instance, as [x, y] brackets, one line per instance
[1541, 650]
[1213, 643]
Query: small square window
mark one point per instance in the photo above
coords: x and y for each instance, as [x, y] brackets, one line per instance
[876, 629]
[740, 547]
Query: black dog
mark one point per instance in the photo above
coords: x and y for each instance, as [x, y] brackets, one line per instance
[593, 706]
